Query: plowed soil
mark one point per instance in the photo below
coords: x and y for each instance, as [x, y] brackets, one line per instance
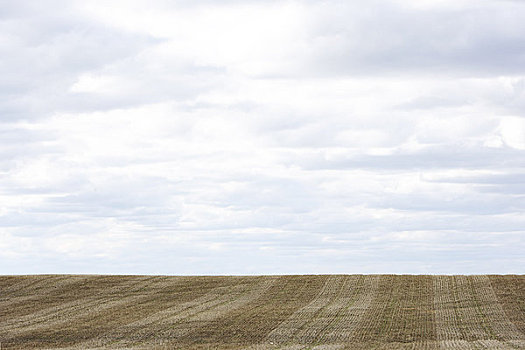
[262, 312]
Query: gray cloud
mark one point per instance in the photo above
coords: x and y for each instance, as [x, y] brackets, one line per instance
[433, 157]
[479, 39]
[45, 49]
[339, 138]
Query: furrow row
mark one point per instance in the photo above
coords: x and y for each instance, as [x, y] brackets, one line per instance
[352, 309]
[469, 315]
[65, 311]
[295, 327]
[327, 312]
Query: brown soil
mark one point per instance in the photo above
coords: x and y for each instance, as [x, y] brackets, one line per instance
[262, 312]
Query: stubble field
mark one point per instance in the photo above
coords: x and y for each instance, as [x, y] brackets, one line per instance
[262, 312]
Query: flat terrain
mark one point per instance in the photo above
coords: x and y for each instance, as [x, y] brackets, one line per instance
[266, 312]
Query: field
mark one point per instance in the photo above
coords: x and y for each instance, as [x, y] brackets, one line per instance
[262, 312]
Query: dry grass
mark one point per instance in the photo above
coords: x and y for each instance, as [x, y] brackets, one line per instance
[266, 312]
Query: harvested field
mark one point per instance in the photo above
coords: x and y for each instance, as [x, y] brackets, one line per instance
[262, 312]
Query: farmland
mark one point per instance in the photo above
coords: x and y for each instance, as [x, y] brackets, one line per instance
[262, 312]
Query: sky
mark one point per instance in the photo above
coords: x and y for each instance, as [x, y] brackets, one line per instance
[262, 137]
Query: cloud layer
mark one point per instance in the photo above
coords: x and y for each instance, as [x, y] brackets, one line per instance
[262, 137]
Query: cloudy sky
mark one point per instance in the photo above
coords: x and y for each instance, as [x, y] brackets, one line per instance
[262, 137]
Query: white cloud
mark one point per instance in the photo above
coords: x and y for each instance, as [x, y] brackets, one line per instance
[513, 132]
[262, 137]
[98, 84]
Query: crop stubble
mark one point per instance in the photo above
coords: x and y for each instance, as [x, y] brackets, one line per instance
[469, 315]
[263, 312]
